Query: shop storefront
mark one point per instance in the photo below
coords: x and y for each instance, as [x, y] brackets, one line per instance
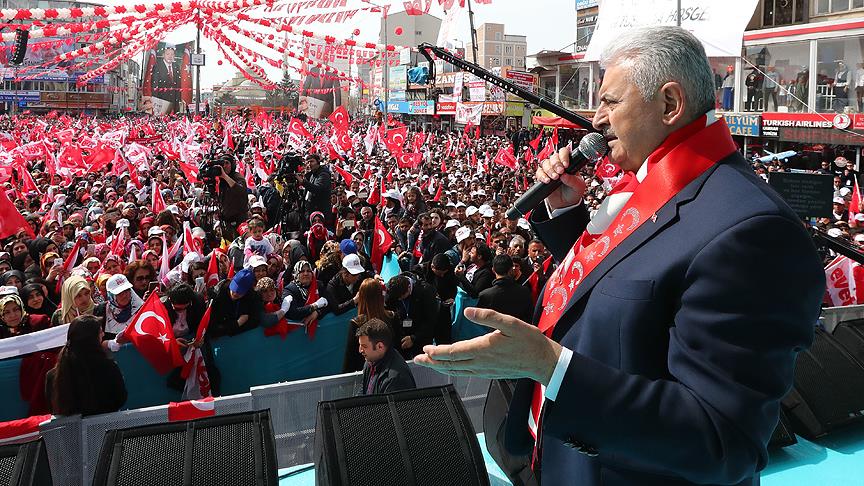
[816, 137]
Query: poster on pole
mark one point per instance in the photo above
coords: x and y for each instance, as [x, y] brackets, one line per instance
[167, 84]
[719, 25]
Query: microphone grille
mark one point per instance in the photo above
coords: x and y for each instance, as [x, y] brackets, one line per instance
[593, 146]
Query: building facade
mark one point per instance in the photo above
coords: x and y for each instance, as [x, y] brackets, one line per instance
[495, 48]
[56, 89]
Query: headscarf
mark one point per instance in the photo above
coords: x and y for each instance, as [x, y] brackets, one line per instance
[116, 317]
[37, 247]
[47, 261]
[19, 261]
[48, 307]
[71, 287]
[13, 299]
[5, 276]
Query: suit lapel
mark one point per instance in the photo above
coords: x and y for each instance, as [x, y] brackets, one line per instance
[666, 215]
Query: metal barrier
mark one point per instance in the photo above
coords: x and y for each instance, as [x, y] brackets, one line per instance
[831, 316]
[74, 443]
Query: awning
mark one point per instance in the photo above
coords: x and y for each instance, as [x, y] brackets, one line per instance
[554, 121]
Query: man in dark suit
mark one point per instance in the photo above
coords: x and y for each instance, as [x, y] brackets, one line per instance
[385, 370]
[667, 337]
[506, 296]
[166, 79]
[316, 182]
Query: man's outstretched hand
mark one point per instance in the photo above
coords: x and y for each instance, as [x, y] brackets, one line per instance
[514, 350]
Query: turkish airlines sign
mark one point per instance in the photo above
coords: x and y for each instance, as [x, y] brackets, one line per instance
[719, 25]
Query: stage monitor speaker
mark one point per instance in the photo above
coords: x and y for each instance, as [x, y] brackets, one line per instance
[828, 391]
[850, 335]
[19, 49]
[232, 449]
[25, 464]
[783, 435]
[415, 437]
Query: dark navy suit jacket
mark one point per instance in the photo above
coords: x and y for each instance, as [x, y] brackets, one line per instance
[684, 340]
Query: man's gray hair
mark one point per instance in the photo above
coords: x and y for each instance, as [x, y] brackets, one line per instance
[654, 56]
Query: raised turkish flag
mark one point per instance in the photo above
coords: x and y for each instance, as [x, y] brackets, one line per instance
[340, 119]
[396, 139]
[347, 177]
[311, 298]
[212, 275]
[409, 161]
[605, 169]
[506, 158]
[547, 151]
[295, 127]
[153, 335]
[99, 157]
[157, 203]
[381, 243]
[855, 204]
[191, 409]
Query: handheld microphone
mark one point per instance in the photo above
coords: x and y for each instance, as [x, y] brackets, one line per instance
[592, 147]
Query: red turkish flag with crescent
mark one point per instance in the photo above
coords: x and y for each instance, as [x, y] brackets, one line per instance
[211, 278]
[295, 127]
[409, 161]
[343, 140]
[152, 334]
[340, 119]
[381, 242]
[348, 178]
[191, 409]
[396, 139]
[506, 158]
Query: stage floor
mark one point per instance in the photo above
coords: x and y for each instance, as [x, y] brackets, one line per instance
[837, 460]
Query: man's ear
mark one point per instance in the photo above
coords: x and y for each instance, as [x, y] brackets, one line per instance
[674, 103]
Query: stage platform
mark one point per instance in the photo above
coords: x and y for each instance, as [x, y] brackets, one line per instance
[837, 460]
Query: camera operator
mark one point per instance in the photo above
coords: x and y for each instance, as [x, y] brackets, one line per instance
[316, 181]
[234, 204]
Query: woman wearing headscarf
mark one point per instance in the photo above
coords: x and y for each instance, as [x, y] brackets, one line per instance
[36, 300]
[298, 290]
[85, 380]
[121, 306]
[75, 300]
[13, 278]
[15, 321]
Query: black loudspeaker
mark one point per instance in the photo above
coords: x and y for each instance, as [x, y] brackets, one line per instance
[783, 435]
[19, 49]
[25, 464]
[828, 391]
[415, 437]
[232, 449]
[850, 335]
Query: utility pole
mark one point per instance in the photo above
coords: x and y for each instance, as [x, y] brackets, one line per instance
[473, 32]
[677, 16]
[198, 68]
[386, 66]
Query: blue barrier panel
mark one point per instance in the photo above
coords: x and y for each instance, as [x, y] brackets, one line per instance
[252, 359]
[144, 386]
[13, 406]
[463, 328]
[247, 360]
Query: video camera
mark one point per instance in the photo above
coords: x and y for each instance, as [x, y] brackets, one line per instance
[288, 166]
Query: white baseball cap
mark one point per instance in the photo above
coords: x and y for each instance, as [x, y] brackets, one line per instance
[117, 284]
[155, 231]
[471, 211]
[122, 223]
[352, 264]
[463, 233]
[451, 224]
[835, 232]
[487, 213]
[256, 261]
[839, 200]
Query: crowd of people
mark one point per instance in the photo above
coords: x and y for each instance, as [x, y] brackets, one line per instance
[270, 226]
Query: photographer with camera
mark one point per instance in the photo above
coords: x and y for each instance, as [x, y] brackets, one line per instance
[233, 202]
[317, 183]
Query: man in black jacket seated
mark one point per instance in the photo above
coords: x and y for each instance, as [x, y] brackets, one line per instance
[506, 296]
[385, 370]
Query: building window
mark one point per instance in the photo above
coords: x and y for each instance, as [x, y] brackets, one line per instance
[782, 12]
[497, 49]
[822, 7]
[780, 80]
[418, 32]
[520, 63]
[839, 69]
[508, 49]
[498, 36]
